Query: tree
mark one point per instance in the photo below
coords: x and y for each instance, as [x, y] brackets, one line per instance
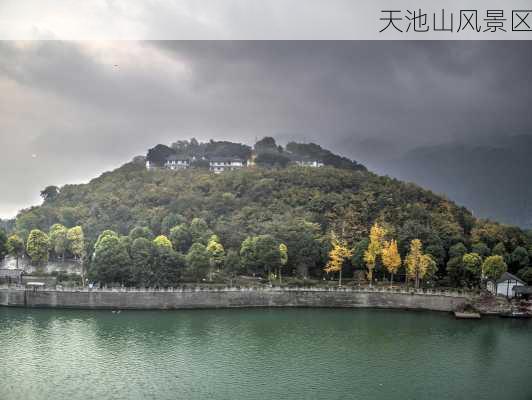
[525, 274]
[374, 250]
[58, 240]
[141, 232]
[38, 246]
[158, 154]
[455, 267]
[232, 265]
[169, 265]
[200, 232]
[49, 193]
[481, 249]
[493, 267]
[111, 261]
[216, 254]
[417, 263]
[76, 242]
[170, 221]
[500, 250]
[197, 260]
[283, 252]
[337, 256]
[259, 254]
[142, 253]
[3, 244]
[15, 247]
[181, 238]
[519, 259]
[162, 241]
[472, 263]
[391, 258]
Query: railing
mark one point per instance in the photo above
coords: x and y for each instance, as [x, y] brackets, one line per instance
[194, 289]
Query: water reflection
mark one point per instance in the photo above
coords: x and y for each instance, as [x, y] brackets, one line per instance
[256, 354]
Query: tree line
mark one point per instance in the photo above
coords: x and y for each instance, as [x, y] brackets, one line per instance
[193, 252]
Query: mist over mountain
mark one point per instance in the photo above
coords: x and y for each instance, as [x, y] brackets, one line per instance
[493, 178]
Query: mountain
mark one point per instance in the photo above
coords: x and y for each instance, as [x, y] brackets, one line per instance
[296, 205]
[494, 181]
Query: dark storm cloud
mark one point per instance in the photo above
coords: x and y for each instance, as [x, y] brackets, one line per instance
[69, 111]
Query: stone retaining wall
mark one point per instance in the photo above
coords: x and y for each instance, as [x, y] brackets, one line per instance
[101, 299]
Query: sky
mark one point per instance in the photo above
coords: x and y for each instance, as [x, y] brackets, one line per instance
[72, 110]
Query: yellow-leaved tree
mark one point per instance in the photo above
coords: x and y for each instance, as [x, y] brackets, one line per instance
[376, 244]
[418, 265]
[283, 253]
[391, 258]
[337, 256]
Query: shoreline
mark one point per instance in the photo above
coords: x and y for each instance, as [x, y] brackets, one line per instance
[230, 298]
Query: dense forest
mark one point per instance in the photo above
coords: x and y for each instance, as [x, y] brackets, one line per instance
[158, 227]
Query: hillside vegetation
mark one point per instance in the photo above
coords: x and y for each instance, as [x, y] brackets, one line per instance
[254, 210]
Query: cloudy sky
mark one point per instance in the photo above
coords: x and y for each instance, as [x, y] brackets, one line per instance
[71, 110]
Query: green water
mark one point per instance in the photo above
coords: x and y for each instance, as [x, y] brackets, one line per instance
[261, 354]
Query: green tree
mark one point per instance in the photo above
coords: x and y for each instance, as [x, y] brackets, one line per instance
[38, 246]
[15, 247]
[170, 221]
[455, 266]
[49, 193]
[181, 238]
[493, 267]
[58, 240]
[141, 232]
[500, 250]
[197, 261]
[143, 257]
[111, 261]
[200, 232]
[232, 265]
[3, 244]
[519, 259]
[76, 242]
[481, 249]
[525, 274]
[259, 254]
[472, 263]
[169, 267]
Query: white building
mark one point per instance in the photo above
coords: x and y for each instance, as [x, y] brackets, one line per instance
[305, 161]
[221, 164]
[177, 162]
[504, 285]
[309, 163]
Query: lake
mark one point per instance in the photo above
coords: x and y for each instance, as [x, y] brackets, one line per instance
[261, 354]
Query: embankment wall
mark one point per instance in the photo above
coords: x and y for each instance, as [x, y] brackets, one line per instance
[101, 299]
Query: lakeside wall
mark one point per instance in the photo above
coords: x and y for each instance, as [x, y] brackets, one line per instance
[229, 298]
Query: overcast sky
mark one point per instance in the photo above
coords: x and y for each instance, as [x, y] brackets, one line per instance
[71, 110]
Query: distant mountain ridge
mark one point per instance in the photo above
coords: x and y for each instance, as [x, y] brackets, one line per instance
[494, 181]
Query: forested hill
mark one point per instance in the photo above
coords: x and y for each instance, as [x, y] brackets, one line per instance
[299, 206]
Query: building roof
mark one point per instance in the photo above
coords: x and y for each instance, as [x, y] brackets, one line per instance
[509, 277]
[10, 273]
[177, 157]
[522, 289]
[225, 159]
